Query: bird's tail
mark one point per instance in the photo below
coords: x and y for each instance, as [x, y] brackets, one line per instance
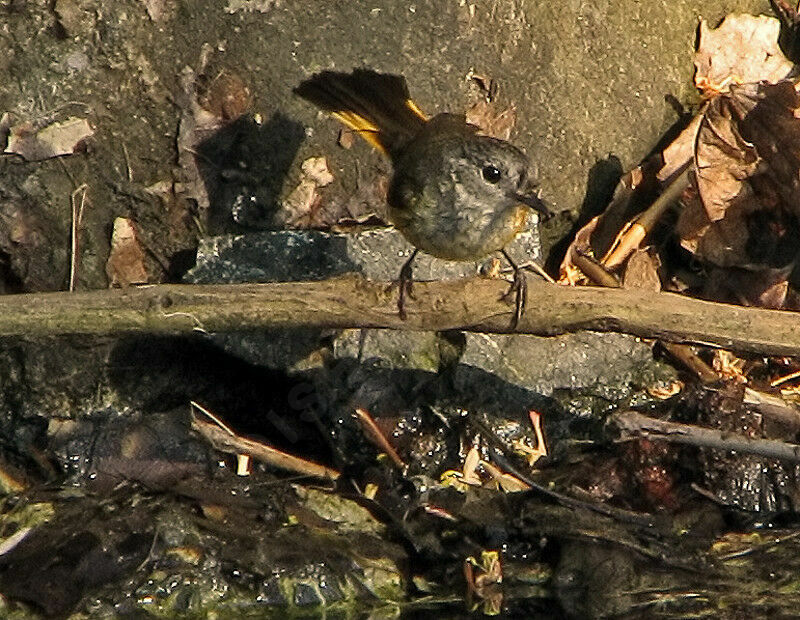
[377, 106]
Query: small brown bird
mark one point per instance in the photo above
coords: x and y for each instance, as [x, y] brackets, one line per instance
[454, 193]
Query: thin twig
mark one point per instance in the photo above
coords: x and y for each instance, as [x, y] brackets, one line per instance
[785, 378]
[375, 435]
[632, 424]
[77, 217]
[632, 235]
[212, 417]
[127, 163]
[684, 354]
[220, 438]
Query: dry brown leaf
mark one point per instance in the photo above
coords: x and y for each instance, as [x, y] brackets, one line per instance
[487, 86]
[744, 48]
[196, 125]
[227, 96]
[251, 6]
[729, 366]
[641, 271]
[491, 122]
[36, 143]
[316, 169]
[125, 265]
[299, 208]
[722, 243]
[723, 159]
[680, 151]
[346, 138]
[744, 207]
[693, 222]
[764, 287]
[160, 10]
[581, 244]
[770, 120]
[207, 105]
[6, 122]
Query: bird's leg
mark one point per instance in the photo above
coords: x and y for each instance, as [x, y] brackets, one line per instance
[406, 280]
[519, 287]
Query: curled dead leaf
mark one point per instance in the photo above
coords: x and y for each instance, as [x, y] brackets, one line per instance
[743, 49]
[300, 205]
[36, 143]
[125, 265]
[743, 207]
[641, 271]
[227, 96]
[492, 122]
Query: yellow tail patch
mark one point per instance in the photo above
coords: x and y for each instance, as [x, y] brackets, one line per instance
[369, 130]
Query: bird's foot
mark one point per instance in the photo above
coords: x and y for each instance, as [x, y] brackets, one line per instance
[406, 282]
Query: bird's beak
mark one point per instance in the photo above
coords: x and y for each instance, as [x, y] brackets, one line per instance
[534, 202]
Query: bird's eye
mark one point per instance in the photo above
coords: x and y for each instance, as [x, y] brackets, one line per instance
[491, 174]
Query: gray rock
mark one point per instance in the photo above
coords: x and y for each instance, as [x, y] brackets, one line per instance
[292, 255]
[572, 361]
[391, 349]
[587, 373]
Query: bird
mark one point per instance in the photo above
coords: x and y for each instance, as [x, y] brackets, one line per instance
[454, 193]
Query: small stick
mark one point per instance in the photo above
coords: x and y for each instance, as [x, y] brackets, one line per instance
[632, 424]
[631, 237]
[220, 437]
[684, 354]
[470, 304]
[212, 417]
[77, 216]
[375, 435]
[785, 378]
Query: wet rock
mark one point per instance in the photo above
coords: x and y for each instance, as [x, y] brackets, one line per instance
[390, 349]
[609, 366]
[571, 361]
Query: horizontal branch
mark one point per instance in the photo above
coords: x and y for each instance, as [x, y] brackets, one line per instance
[471, 304]
[632, 424]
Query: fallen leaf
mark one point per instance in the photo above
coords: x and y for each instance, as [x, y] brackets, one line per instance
[125, 265]
[728, 365]
[762, 287]
[488, 86]
[6, 123]
[491, 122]
[316, 169]
[159, 10]
[251, 6]
[36, 143]
[569, 273]
[680, 151]
[641, 271]
[744, 48]
[723, 159]
[227, 97]
[742, 209]
[769, 118]
[300, 205]
[345, 139]
[196, 125]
